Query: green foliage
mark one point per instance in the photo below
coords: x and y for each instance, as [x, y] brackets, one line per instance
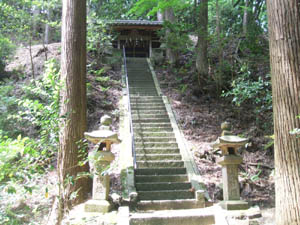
[150, 7]
[98, 37]
[245, 90]
[40, 107]
[177, 39]
[254, 95]
[255, 177]
[18, 161]
[8, 106]
[24, 20]
[112, 9]
[24, 159]
[296, 131]
[6, 50]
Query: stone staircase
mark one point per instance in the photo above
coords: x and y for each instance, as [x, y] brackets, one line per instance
[161, 178]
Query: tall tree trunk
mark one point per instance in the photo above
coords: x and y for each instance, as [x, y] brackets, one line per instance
[218, 31]
[194, 18]
[35, 24]
[284, 32]
[201, 48]
[160, 16]
[219, 80]
[245, 18]
[47, 27]
[170, 17]
[73, 104]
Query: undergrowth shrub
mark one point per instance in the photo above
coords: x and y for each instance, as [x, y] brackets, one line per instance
[40, 107]
[248, 91]
[8, 106]
[24, 159]
[6, 50]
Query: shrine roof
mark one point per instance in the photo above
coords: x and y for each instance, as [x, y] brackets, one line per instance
[136, 22]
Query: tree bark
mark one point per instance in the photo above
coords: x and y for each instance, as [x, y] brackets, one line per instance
[35, 24]
[201, 48]
[245, 18]
[160, 16]
[284, 32]
[73, 104]
[48, 28]
[218, 31]
[170, 17]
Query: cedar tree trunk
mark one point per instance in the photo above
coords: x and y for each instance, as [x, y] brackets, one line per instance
[201, 48]
[170, 17]
[284, 31]
[73, 104]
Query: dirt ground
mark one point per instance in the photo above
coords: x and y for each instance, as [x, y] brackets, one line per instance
[200, 118]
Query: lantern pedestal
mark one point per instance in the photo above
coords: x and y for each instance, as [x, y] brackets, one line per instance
[100, 159]
[230, 160]
[231, 187]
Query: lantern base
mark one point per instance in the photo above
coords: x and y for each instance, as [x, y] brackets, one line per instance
[234, 205]
[99, 206]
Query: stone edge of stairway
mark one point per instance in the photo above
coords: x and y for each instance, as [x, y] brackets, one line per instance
[126, 161]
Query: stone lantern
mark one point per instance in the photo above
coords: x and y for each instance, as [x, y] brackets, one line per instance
[100, 159]
[230, 160]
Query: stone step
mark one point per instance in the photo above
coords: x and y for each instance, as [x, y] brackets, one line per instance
[152, 125]
[143, 94]
[153, 129]
[141, 85]
[142, 67]
[161, 178]
[156, 145]
[139, 70]
[149, 80]
[143, 80]
[157, 157]
[138, 75]
[166, 195]
[145, 104]
[163, 186]
[138, 87]
[164, 150]
[149, 116]
[150, 89]
[147, 112]
[137, 107]
[139, 133]
[160, 164]
[144, 88]
[151, 120]
[148, 98]
[160, 171]
[187, 216]
[154, 139]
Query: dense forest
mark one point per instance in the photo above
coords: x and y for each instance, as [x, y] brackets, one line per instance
[224, 56]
